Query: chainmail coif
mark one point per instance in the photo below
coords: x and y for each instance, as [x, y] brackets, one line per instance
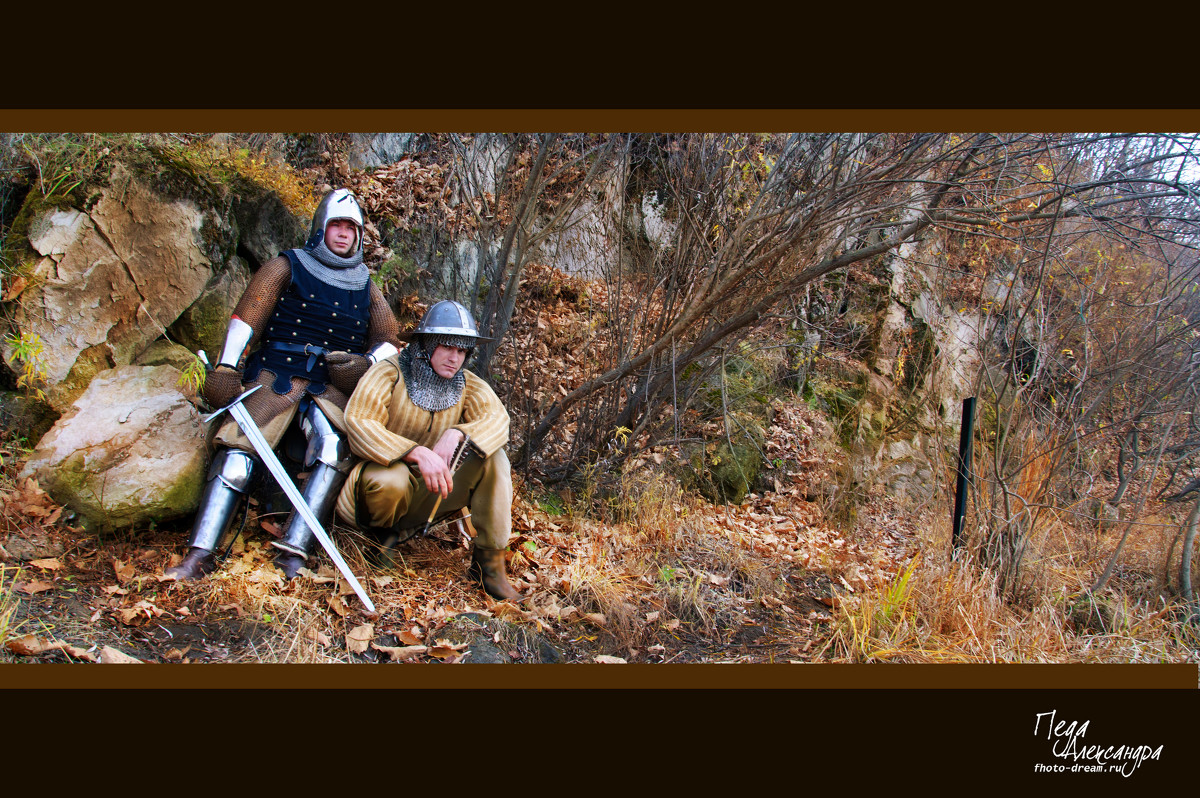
[426, 388]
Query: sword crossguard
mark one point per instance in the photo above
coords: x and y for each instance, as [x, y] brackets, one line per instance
[216, 413]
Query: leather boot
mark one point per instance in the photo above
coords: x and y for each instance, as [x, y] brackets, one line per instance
[197, 564]
[487, 567]
[289, 563]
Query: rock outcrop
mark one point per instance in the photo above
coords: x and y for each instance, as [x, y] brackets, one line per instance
[130, 451]
[110, 281]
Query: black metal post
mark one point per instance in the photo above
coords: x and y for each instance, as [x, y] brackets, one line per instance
[965, 437]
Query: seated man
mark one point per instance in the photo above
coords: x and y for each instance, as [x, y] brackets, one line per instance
[320, 322]
[406, 419]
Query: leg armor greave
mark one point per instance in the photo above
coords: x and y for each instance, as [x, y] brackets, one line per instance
[327, 460]
[230, 477]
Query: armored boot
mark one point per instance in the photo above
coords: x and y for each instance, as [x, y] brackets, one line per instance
[299, 541]
[487, 567]
[229, 479]
[328, 459]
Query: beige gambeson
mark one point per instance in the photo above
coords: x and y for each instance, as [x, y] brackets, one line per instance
[384, 425]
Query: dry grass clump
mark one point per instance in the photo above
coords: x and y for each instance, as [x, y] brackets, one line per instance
[8, 603]
[951, 613]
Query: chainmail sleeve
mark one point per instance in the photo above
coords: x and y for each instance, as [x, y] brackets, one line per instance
[383, 325]
[260, 297]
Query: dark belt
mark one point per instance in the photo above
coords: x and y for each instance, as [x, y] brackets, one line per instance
[313, 352]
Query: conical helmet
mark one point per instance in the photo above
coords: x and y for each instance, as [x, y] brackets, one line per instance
[337, 204]
[449, 318]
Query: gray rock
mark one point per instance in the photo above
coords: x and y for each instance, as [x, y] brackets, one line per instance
[112, 280]
[266, 227]
[163, 352]
[368, 151]
[204, 324]
[130, 451]
[30, 544]
[480, 633]
[25, 417]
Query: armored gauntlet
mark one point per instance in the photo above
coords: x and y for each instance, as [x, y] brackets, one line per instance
[222, 385]
[345, 369]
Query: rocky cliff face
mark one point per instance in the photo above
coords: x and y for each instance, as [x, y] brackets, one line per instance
[142, 266]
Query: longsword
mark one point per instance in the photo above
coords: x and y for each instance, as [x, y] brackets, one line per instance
[242, 416]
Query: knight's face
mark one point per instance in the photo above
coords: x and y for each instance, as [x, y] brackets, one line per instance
[341, 235]
[447, 360]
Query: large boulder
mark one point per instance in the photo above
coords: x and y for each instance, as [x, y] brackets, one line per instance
[111, 280]
[131, 450]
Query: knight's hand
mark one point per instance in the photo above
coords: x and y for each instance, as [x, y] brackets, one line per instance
[345, 370]
[222, 385]
[435, 472]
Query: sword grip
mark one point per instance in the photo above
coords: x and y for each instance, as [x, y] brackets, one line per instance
[460, 454]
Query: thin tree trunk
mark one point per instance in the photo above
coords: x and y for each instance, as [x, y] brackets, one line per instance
[1185, 564]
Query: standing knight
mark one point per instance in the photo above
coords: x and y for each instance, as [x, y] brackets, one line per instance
[318, 323]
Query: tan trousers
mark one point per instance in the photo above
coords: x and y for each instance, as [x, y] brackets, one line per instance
[396, 496]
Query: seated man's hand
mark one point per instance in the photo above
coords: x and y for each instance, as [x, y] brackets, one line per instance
[434, 470]
[446, 445]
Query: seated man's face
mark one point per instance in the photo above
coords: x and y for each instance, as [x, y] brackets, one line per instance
[447, 360]
[340, 236]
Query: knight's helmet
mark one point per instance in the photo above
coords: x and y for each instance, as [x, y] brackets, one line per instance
[337, 204]
[448, 322]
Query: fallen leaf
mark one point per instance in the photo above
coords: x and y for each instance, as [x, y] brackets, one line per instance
[651, 617]
[124, 571]
[337, 605]
[111, 656]
[319, 637]
[29, 645]
[14, 288]
[596, 618]
[448, 653]
[359, 638]
[409, 638]
[32, 645]
[34, 587]
[51, 564]
[605, 659]
[401, 653]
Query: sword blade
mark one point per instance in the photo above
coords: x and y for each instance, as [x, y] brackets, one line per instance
[242, 416]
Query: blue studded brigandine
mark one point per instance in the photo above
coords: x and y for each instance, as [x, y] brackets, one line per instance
[311, 318]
